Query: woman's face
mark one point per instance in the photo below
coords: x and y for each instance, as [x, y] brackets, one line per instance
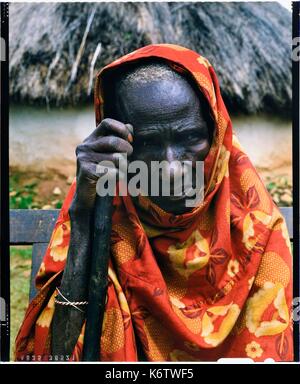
[168, 124]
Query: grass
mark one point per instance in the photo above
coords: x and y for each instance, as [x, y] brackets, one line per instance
[20, 268]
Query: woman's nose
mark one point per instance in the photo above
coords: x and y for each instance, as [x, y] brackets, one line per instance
[174, 165]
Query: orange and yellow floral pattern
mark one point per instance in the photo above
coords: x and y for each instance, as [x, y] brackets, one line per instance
[253, 350]
[58, 245]
[212, 283]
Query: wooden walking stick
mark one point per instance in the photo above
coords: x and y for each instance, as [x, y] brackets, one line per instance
[98, 277]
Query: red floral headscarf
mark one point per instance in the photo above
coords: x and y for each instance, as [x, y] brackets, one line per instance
[212, 283]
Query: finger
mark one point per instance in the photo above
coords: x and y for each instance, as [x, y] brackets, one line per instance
[112, 127]
[95, 170]
[95, 157]
[111, 144]
[109, 171]
[130, 128]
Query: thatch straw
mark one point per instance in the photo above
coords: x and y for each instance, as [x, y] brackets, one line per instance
[53, 47]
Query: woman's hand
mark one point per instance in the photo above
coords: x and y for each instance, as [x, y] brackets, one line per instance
[110, 139]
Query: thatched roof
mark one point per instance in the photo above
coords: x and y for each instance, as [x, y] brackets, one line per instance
[54, 54]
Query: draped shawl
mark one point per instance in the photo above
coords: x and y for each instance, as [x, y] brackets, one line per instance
[214, 282]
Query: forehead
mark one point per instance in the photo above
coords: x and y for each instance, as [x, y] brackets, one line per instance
[158, 102]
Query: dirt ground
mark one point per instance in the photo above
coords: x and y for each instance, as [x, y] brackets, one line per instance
[45, 190]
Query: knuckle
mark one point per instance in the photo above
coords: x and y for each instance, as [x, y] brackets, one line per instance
[116, 126]
[106, 123]
[82, 149]
[113, 141]
[78, 150]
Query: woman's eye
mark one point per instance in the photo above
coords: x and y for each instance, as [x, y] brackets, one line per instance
[146, 143]
[193, 137]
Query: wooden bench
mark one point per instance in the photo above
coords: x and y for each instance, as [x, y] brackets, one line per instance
[34, 227]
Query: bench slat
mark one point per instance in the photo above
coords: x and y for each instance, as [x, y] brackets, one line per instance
[31, 226]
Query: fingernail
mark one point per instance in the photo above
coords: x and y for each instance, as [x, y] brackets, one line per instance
[130, 127]
[130, 138]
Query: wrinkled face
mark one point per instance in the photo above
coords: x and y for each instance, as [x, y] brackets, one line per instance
[168, 124]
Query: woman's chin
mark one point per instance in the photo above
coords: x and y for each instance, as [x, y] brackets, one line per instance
[172, 204]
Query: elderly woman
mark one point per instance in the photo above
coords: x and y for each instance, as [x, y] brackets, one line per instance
[184, 283]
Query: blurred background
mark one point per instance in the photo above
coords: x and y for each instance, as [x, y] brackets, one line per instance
[57, 48]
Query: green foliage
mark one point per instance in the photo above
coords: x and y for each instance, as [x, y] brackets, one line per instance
[280, 189]
[21, 252]
[271, 185]
[59, 204]
[22, 197]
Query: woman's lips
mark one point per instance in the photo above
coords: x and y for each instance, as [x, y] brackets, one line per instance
[177, 198]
